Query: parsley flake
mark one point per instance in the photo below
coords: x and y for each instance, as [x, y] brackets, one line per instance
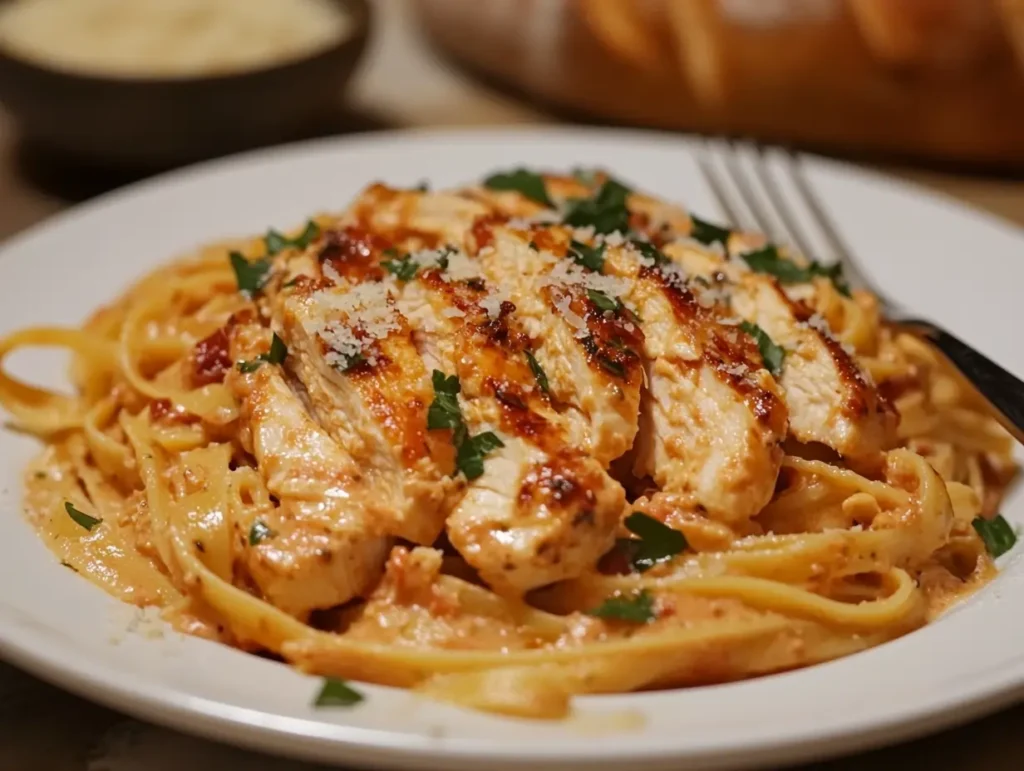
[638, 608]
[772, 354]
[347, 362]
[469, 455]
[522, 181]
[259, 532]
[250, 276]
[768, 260]
[603, 302]
[69, 566]
[444, 412]
[708, 233]
[337, 693]
[997, 534]
[590, 257]
[657, 542]
[276, 355]
[404, 269]
[538, 372]
[81, 517]
[606, 211]
[277, 243]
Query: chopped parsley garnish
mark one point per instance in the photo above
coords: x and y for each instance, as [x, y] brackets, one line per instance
[997, 534]
[606, 211]
[522, 181]
[638, 608]
[289, 284]
[250, 276]
[277, 243]
[444, 412]
[347, 362]
[538, 372]
[259, 532]
[81, 517]
[471, 450]
[650, 251]
[276, 355]
[708, 233]
[404, 269]
[772, 354]
[768, 260]
[337, 693]
[68, 565]
[442, 259]
[248, 367]
[603, 302]
[657, 542]
[590, 257]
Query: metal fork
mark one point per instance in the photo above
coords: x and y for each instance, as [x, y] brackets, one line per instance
[774, 214]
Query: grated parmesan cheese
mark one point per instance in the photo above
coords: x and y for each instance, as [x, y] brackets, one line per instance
[331, 273]
[169, 38]
[612, 239]
[577, 322]
[461, 267]
[452, 313]
[567, 273]
[492, 304]
[366, 307]
[675, 274]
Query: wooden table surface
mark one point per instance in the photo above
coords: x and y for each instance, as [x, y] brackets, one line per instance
[401, 84]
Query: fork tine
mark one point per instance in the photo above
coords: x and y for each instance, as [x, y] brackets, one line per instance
[741, 182]
[778, 200]
[717, 188]
[840, 251]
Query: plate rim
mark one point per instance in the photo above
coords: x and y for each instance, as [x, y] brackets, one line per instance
[174, 707]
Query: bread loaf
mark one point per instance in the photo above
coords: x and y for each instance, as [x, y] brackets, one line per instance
[925, 79]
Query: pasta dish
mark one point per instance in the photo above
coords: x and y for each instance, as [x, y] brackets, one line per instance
[512, 443]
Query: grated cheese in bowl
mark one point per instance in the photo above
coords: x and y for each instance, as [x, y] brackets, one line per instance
[168, 38]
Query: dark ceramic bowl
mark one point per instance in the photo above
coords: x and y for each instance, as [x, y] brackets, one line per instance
[157, 122]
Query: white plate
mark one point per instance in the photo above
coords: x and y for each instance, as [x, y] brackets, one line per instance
[956, 265]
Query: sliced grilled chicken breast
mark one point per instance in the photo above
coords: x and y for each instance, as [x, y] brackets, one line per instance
[712, 420]
[369, 389]
[323, 547]
[830, 398]
[569, 312]
[542, 510]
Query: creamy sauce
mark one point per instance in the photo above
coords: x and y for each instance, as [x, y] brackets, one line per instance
[168, 38]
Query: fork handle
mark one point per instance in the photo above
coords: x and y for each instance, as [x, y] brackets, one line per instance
[1004, 392]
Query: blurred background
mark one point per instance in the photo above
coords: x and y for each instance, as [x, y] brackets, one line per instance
[96, 93]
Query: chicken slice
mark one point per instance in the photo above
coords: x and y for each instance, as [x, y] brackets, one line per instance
[542, 510]
[323, 547]
[368, 387]
[830, 398]
[712, 420]
[555, 302]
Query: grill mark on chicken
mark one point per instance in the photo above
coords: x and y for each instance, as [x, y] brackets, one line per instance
[829, 398]
[723, 347]
[354, 252]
